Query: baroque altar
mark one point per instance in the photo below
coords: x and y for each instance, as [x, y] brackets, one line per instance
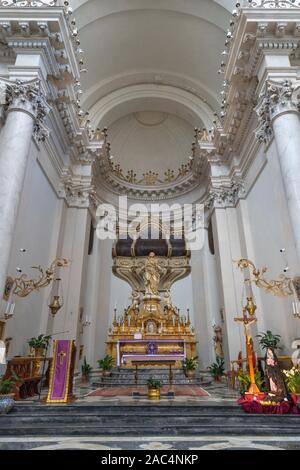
[151, 327]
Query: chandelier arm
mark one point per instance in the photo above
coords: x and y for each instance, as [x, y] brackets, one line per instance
[282, 287]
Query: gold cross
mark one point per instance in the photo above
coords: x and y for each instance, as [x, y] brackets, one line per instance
[61, 357]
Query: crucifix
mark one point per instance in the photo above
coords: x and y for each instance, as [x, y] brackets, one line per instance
[61, 357]
[248, 321]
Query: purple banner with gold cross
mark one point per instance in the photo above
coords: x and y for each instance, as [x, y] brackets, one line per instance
[60, 371]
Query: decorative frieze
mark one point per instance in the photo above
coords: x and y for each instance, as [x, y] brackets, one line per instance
[28, 3]
[276, 98]
[273, 3]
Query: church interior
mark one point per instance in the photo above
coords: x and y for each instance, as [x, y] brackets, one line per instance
[149, 224]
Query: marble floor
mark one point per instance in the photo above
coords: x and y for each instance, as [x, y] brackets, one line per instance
[219, 394]
[151, 443]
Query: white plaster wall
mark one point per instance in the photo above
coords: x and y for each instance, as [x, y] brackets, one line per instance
[182, 296]
[97, 300]
[206, 301]
[271, 231]
[120, 295]
[37, 214]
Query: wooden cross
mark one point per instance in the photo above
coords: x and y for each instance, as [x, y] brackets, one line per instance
[61, 357]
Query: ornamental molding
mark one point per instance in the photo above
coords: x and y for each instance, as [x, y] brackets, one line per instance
[272, 4]
[28, 3]
[276, 98]
[224, 195]
[26, 96]
[252, 33]
[78, 191]
[56, 38]
[150, 187]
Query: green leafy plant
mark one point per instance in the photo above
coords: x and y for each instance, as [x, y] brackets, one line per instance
[292, 378]
[217, 369]
[245, 381]
[190, 363]
[268, 340]
[86, 368]
[40, 341]
[6, 386]
[106, 363]
[154, 383]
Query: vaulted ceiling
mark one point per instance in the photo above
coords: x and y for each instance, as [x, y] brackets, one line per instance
[151, 56]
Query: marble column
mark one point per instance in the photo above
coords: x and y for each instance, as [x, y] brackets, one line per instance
[228, 248]
[278, 112]
[26, 110]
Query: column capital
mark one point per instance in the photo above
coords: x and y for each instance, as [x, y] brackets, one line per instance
[27, 97]
[276, 98]
[225, 195]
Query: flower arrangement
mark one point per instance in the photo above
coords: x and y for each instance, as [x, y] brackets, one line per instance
[292, 378]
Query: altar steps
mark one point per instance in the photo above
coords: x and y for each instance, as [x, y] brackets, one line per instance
[125, 377]
[144, 420]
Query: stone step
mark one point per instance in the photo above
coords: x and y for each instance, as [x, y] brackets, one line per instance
[131, 420]
[167, 418]
[168, 429]
[137, 408]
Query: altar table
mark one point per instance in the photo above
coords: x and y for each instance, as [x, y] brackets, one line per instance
[148, 361]
[125, 357]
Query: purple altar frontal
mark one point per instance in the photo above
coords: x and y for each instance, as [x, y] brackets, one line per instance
[151, 352]
[152, 357]
[155, 340]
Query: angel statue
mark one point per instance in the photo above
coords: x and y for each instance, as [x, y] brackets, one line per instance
[135, 300]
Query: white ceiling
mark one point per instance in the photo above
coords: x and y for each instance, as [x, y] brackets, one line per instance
[139, 141]
[152, 55]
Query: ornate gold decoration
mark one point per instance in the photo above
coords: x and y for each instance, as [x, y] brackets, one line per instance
[151, 178]
[152, 272]
[55, 305]
[151, 314]
[132, 269]
[22, 286]
[281, 287]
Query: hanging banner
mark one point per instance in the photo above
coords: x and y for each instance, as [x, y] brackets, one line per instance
[62, 372]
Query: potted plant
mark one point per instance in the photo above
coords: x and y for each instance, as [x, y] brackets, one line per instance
[39, 344]
[6, 395]
[6, 386]
[217, 369]
[292, 378]
[245, 381]
[86, 369]
[106, 364]
[154, 386]
[268, 340]
[190, 365]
